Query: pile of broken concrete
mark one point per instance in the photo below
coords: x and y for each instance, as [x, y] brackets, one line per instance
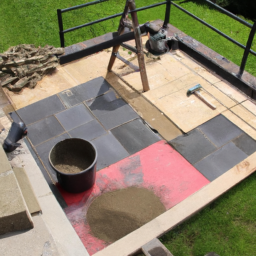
[24, 65]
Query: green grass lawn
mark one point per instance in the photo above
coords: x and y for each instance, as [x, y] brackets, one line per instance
[228, 225]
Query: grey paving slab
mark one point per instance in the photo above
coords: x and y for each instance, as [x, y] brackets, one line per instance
[74, 117]
[194, 146]
[41, 109]
[44, 129]
[246, 144]
[109, 150]
[220, 130]
[135, 136]
[111, 112]
[220, 161]
[44, 149]
[88, 131]
[47, 176]
[15, 117]
[85, 91]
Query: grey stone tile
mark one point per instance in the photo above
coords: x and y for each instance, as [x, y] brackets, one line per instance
[85, 91]
[41, 109]
[194, 146]
[220, 161]
[44, 130]
[88, 131]
[111, 112]
[44, 149]
[74, 117]
[246, 144]
[220, 130]
[135, 136]
[109, 150]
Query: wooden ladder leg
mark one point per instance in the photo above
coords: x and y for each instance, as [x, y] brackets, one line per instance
[120, 32]
[140, 54]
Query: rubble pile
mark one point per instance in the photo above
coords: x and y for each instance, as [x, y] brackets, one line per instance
[24, 65]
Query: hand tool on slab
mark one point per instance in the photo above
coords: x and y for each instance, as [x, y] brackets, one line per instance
[196, 91]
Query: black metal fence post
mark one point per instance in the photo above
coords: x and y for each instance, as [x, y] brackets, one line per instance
[167, 13]
[247, 50]
[62, 42]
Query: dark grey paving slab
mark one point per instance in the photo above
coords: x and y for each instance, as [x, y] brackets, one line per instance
[111, 112]
[74, 117]
[109, 150]
[194, 146]
[47, 177]
[220, 130]
[41, 109]
[44, 130]
[85, 91]
[246, 144]
[15, 117]
[220, 161]
[44, 149]
[88, 131]
[135, 136]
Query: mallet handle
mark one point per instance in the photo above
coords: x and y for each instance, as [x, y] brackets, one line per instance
[201, 97]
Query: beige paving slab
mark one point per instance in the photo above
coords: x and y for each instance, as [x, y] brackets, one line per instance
[245, 115]
[48, 86]
[14, 214]
[5, 165]
[231, 92]
[35, 242]
[240, 123]
[167, 129]
[251, 106]
[27, 190]
[188, 112]
[182, 211]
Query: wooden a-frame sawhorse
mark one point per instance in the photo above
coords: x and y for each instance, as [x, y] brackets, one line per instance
[130, 5]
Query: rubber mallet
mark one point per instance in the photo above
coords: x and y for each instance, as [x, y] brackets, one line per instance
[196, 91]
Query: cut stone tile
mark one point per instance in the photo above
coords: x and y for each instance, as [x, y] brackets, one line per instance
[5, 165]
[109, 150]
[220, 161]
[14, 215]
[43, 151]
[40, 109]
[250, 106]
[240, 123]
[74, 117]
[88, 131]
[27, 190]
[85, 91]
[220, 130]
[134, 136]
[194, 146]
[245, 143]
[44, 130]
[111, 112]
[155, 248]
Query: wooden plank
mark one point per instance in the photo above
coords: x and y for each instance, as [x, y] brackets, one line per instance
[188, 112]
[240, 123]
[182, 211]
[245, 115]
[251, 106]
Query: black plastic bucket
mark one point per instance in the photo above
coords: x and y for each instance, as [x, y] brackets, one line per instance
[78, 156]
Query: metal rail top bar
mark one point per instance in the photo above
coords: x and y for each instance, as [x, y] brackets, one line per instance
[230, 14]
[113, 16]
[213, 28]
[82, 5]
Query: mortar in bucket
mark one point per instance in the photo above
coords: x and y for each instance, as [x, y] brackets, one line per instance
[74, 161]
